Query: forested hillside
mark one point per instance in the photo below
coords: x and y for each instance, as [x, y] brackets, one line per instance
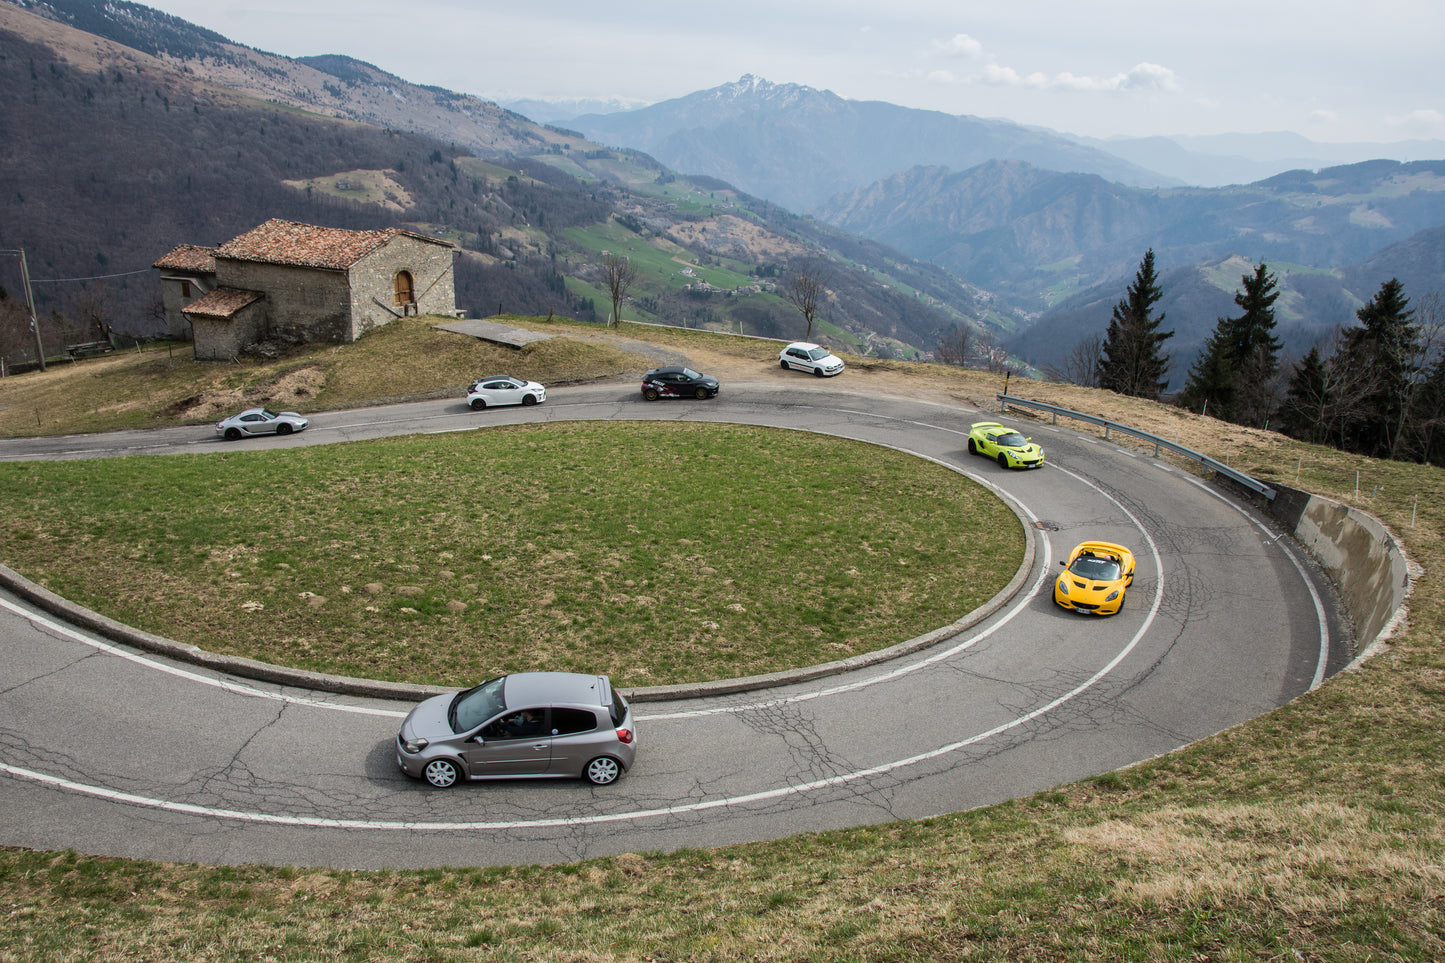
[111, 163]
[113, 157]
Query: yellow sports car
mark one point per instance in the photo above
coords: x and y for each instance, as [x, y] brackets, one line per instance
[1095, 577]
[1004, 445]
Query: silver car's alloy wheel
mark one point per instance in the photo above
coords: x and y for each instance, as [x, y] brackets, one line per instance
[441, 773]
[478, 404]
[602, 770]
[232, 434]
[283, 429]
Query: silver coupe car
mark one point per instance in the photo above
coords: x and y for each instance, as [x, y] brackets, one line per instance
[549, 724]
[260, 421]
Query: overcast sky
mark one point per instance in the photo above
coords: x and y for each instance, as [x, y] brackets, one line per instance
[1331, 70]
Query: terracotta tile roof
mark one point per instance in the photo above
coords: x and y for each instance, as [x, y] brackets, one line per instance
[191, 258]
[306, 245]
[222, 302]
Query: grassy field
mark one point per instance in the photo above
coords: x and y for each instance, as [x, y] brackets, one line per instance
[657, 553]
[1316, 832]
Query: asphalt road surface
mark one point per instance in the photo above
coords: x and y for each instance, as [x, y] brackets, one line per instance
[111, 751]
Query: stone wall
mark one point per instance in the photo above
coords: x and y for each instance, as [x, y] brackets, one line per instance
[174, 298]
[373, 279]
[305, 304]
[219, 339]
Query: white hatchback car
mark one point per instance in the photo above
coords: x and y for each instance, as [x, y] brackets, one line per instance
[504, 390]
[803, 356]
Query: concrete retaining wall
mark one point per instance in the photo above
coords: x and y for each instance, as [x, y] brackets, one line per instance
[1357, 550]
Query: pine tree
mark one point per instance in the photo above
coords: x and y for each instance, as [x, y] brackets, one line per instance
[1131, 362]
[1385, 349]
[1209, 388]
[1307, 399]
[1254, 329]
[1234, 374]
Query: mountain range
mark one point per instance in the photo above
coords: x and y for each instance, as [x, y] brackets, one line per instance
[1054, 226]
[927, 220]
[798, 146]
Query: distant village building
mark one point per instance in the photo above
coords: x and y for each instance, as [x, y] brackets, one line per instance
[300, 283]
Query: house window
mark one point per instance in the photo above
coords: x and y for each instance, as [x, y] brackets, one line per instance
[185, 289]
[402, 284]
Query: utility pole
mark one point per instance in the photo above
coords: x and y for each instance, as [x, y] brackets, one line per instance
[30, 306]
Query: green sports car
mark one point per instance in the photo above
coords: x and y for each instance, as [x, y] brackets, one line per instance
[1004, 445]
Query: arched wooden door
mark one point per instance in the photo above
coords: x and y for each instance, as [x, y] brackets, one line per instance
[404, 291]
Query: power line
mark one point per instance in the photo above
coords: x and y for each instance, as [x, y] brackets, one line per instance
[96, 277]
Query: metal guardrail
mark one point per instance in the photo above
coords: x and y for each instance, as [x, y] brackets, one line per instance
[1247, 481]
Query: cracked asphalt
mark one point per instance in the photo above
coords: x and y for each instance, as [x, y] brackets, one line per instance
[111, 750]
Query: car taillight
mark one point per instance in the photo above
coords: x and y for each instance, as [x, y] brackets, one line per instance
[624, 736]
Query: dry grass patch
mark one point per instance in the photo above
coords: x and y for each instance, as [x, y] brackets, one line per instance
[163, 384]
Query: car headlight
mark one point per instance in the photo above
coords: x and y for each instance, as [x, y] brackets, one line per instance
[1064, 586]
[1112, 596]
[414, 746]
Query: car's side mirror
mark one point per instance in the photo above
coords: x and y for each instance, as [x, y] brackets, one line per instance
[1063, 563]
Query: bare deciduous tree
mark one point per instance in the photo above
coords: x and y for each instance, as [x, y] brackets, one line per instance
[954, 346]
[93, 306]
[1417, 422]
[1081, 365]
[619, 274]
[804, 290]
[17, 340]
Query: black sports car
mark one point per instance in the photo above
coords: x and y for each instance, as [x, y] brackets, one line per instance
[677, 381]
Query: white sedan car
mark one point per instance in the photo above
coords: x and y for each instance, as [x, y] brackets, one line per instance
[803, 356]
[260, 421]
[504, 390]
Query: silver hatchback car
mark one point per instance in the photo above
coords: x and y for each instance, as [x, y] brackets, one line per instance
[550, 724]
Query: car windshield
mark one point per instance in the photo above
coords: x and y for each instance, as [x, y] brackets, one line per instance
[1100, 568]
[818, 354]
[1012, 439]
[690, 375]
[472, 707]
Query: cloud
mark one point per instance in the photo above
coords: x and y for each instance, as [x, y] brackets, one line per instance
[1144, 77]
[962, 46]
[1422, 121]
[1151, 77]
[1008, 77]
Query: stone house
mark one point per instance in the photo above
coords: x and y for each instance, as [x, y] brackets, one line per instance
[299, 283]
